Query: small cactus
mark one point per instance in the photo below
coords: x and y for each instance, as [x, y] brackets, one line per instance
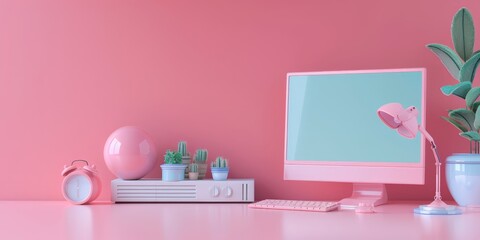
[220, 162]
[201, 155]
[193, 167]
[182, 148]
[172, 157]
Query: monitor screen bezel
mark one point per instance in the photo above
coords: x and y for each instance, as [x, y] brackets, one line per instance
[364, 172]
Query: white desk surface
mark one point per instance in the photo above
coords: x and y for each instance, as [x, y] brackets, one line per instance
[61, 220]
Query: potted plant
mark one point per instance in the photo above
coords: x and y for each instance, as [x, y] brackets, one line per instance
[463, 170]
[193, 171]
[173, 169]
[182, 149]
[220, 169]
[200, 158]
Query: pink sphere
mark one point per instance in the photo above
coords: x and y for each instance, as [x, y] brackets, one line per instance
[130, 153]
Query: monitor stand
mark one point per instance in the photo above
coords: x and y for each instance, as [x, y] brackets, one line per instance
[365, 194]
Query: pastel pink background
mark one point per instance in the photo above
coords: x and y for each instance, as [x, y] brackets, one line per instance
[208, 72]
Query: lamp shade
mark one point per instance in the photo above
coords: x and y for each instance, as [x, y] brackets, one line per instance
[396, 117]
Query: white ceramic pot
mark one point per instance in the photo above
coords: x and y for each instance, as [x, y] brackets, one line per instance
[173, 172]
[463, 178]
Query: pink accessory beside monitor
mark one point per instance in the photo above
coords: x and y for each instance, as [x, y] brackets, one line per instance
[405, 122]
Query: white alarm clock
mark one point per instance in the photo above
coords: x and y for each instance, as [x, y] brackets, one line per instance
[80, 185]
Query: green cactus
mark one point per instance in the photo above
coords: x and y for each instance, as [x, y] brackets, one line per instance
[182, 148]
[462, 64]
[193, 167]
[220, 162]
[172, 157]
[201, 155]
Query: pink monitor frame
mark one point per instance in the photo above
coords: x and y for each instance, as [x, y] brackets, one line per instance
[368, 179]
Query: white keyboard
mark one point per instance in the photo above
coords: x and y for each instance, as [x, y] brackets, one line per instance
[314, 206]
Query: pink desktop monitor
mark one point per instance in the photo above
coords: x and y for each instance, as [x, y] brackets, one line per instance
[333, 132]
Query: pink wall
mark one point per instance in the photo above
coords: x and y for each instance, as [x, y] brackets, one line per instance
[209, 72]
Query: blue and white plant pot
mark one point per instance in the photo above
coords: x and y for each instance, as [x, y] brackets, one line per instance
[463, 178]
[173, 172]
[219, 174]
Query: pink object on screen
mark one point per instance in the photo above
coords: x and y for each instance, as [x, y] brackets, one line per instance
[130, 153]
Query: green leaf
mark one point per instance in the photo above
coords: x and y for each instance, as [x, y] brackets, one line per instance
[471, 96]
[476, 123]
[467, 73]
[464, 117]
[471, 135]
[475, 106]
[449, 58]
[461, 89]
[458, 125]
[463, 33]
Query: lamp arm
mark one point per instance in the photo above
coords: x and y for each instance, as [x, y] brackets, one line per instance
[437, 161]
[426, 134]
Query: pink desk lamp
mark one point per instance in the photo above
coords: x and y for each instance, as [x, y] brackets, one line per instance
[405, 121]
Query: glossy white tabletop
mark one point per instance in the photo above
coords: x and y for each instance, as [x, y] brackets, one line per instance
[61, 220]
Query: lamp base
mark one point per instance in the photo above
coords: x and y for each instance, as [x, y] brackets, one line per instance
[437, 207]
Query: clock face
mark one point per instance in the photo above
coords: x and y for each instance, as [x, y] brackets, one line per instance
[78, 187]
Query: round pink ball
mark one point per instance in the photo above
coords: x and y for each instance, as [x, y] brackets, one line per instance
[130, 153]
